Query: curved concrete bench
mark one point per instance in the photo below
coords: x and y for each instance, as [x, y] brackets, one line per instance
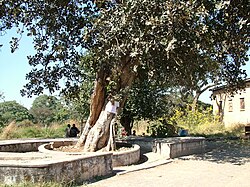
[28, 145]
[57, 166]
[126, 157]
[119, 158]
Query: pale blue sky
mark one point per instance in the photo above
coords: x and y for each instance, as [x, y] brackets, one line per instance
[14, 67]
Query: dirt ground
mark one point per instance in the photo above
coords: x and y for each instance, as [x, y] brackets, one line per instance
[224, 164]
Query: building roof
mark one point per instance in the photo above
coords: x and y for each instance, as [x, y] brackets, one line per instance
[221, 87]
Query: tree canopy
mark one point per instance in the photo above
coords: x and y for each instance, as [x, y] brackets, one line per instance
[179, 41]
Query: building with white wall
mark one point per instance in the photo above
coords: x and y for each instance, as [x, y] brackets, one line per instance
[232, 109]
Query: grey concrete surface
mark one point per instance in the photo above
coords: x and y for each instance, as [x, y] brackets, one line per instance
[224, 164]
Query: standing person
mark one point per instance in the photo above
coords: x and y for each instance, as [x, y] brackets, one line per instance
[112, 106]
[74, 131]
[67, 131]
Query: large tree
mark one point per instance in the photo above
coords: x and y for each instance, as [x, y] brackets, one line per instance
[170, 39]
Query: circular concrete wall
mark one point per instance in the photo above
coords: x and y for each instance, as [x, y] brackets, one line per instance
[122, 157]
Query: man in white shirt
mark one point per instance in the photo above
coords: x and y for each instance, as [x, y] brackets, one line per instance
[112, 106]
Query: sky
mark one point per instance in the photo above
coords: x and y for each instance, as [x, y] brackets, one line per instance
[14, 67]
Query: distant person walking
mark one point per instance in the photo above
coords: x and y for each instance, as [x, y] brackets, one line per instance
[74, 131]
[67, 131]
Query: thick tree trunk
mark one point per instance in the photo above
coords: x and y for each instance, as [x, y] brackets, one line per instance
[99, 135]
[96, 105]
[96, 134]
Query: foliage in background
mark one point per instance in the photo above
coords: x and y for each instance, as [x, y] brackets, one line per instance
[198, 122]
[78, 101]
[149, 100]
[161, 129]
[11, 110]
[47, 109]
[236, 130]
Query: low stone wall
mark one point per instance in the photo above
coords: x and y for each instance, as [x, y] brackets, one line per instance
[58, 169]
[48, 165]
[169, 147]
[126, 157]
[179, 146]
[146, 143]
[28, 145]
[123, 157]
[20, 147]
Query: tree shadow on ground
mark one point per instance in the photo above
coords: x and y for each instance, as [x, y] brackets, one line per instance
[143, 158]
[227, 151]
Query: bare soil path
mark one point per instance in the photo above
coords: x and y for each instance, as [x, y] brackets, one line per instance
[225, 164]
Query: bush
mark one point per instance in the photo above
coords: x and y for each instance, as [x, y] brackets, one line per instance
[198, 122]
[161, 129]
[236, 130]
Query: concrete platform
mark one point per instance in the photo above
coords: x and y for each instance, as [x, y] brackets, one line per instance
[23, 162]
[28, 160]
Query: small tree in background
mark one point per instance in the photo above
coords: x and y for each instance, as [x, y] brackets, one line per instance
[13, 111]
[47, 109]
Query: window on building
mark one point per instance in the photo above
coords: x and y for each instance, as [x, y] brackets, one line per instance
[230, 105]
[242, 104]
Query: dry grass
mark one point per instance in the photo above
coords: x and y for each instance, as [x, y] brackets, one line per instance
[237, 129]
[8, 130]
[205, 129]
[30, 130]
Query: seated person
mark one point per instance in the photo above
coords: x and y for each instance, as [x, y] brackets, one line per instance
[74, 131]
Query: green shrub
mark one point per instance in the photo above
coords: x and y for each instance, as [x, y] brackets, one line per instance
[161, 129]
[198, 122]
